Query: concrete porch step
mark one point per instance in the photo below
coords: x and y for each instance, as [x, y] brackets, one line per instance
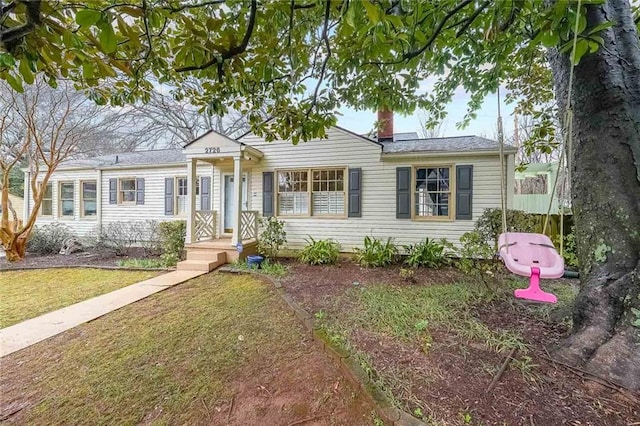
[198, 265]
[206, 254]
[202, 259]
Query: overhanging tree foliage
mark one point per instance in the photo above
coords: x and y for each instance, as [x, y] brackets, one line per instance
[308, 57]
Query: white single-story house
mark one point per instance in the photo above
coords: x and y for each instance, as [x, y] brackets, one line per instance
[344, 187]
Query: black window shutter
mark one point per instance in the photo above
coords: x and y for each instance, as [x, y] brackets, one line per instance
[140, 191]
[113, 191]
[403, 192]
[355, 192]
[168, 196]
[267, 194]
[205, 193]
[464, 192]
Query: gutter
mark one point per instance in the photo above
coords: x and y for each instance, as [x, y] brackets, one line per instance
[411, 154]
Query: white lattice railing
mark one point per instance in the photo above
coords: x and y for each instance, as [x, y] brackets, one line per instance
[249, 225]
[205, 224]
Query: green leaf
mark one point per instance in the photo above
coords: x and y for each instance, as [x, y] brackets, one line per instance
[87, 17]
[372, 11]
[601, 27]
[550, 39]
[582, 46]
[7, 60]
[14, 82]
[25, 71]
[108, 38]
[88, 70]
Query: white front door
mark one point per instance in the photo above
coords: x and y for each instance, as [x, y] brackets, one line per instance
[229, 207]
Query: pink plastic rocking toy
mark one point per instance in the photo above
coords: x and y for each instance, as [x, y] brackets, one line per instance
[533, 256]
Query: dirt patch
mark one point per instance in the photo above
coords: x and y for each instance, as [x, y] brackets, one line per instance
[304, 385]
[316, 287]
[446, 380]
[84, 258]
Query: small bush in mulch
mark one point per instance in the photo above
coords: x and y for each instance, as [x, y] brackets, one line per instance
[375, 252]
[172, 237]
[48, 239]
[320, 252]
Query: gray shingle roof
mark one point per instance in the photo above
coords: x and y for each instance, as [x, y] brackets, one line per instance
[134, 158]
[450, 144]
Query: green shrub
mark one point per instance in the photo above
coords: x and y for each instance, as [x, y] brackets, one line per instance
[376, 253]
[274, 269]
[172, 235]
[477, 258]
[489, 225]
[48, 239]
[320, 252]
[142, 263]
[272, 238]
[428, 253]
[569, 252]
[407, 274]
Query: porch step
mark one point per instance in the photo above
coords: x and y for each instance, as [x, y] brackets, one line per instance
[202, 260]
[206, 254]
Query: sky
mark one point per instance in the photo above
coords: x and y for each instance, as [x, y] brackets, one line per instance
[483, 125]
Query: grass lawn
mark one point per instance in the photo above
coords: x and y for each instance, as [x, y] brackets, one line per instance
[219, 349]
[28, 294]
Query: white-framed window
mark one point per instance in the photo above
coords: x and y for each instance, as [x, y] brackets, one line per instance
[327, 192]
[181, 195]
[312, 192]
[66, 199]
[433, 187]
[46, 208]
[293, 193]
[88, 198]
[182, 192]
[126, 190]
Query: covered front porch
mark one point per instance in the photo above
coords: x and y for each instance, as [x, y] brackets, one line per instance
[225, 219]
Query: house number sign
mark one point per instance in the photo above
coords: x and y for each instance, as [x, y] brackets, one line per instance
[215, 150]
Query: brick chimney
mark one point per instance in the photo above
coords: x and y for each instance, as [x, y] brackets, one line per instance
[385, 124]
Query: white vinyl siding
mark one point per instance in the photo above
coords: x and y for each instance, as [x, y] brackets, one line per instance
[152, 209]
[378, 189]
[80, 225]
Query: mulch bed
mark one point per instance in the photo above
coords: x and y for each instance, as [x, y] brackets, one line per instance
[84, 258]
[450, 382]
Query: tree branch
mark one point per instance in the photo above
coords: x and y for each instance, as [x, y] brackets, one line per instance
[469, 21]
[412, 54]
[193, 5]
[11, 37]
[233, 51]
[325, 37]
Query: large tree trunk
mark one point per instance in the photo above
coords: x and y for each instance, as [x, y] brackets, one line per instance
[606, 197]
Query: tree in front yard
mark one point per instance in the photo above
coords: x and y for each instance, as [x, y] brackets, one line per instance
[309, 57]
[40, 127]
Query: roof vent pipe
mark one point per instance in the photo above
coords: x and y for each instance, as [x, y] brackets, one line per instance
[385, 125]
[116, 159]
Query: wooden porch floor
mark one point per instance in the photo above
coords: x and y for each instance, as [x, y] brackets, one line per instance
[219, 243]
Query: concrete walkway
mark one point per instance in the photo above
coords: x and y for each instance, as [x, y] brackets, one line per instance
[32, 331]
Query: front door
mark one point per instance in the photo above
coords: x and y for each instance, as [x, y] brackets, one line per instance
[229, 206]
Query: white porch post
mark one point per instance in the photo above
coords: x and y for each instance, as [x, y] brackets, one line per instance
[237, 199]
[191, 202]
